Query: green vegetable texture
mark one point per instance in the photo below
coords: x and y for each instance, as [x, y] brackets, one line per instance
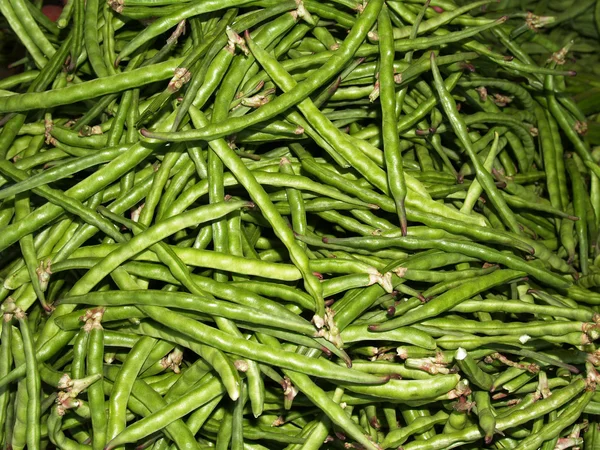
[242, 224]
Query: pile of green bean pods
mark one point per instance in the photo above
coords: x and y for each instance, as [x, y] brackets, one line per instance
[562, 22]
[299, 224]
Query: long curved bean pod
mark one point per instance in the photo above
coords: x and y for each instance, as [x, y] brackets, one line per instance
[248, 349]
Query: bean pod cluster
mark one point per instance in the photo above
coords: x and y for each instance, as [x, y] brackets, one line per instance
[295, 224]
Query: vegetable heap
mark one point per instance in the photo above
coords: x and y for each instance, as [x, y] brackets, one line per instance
[296, 224]
[563, 22]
